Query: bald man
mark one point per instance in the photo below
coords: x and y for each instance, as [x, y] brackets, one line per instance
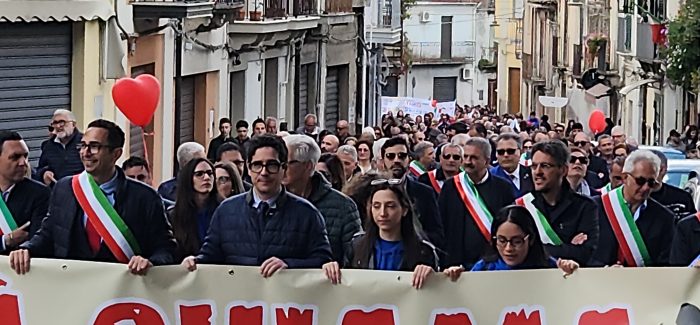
[330, 144]
[342, 130]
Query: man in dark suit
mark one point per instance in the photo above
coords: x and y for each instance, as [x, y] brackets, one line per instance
[26, 200]
[452, 156]
[686, 242]
[573, 218]
[675, 199]
[224, 136]
[652, 220]
[466, 234]
[508, 151]
[596, 165]
[395, 157]
[77, 226]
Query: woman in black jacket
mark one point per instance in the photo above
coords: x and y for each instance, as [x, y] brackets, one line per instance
[391, 242]
[197, 200]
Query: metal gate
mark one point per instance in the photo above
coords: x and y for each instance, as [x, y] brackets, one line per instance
[187, 111]
[444, 89]
[35, 78]
[332, 100]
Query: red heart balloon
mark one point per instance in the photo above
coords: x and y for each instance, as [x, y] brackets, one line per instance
[597, 121]
[137, 98]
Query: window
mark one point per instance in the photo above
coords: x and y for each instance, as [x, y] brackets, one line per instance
[444, 89]
[481, 94]
[446, 38]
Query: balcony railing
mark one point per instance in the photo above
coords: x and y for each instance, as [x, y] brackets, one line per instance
[276, 9]
[390, 14]
[338, 6]
[432, 51]
[304, 7]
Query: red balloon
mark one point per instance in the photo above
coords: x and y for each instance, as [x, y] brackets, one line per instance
[137, 98]
[596, 122]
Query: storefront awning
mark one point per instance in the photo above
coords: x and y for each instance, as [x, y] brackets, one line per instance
[634, 85]
[54, 10]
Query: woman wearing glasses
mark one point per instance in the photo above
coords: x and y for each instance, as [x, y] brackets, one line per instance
[391, 242]
[228, 180]
[193, 210]
[516, 245]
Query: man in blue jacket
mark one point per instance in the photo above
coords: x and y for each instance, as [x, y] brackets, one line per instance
[267, 226]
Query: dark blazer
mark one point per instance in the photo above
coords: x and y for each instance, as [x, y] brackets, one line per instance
[239, 234]
[214, 145]
[62, 233]
[425, 179]
[525, 175]
[62, 161]
[465, 242]
[599, 168]
[168, 189]
[655, 224]
[686, 241]
[573, 214]
[425, 203]
[29, 201]
[675, 199]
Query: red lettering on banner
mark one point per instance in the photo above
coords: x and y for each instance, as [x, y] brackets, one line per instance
[134, 311]
[375, 315]
[459, 316]
[612, 316]
[11, 307]
[195, 312]
[523, 315]
[245, 313]
[293, 314]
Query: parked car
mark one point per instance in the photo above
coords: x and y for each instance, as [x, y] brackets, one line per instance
[680, 171]
[670, 153]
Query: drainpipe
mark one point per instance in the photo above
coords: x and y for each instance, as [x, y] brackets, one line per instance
[178, 91]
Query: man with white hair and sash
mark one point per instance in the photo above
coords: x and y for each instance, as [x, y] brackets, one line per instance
[635, 230]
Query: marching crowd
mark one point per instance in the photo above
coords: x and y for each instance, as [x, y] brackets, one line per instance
[449, 194]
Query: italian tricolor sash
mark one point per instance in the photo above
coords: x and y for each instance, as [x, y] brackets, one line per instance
[475, 205]
[632, 247]
[7, 222]
[109, 225]
[416, 168]
[525, 161]
[437, 184]
[606, 188]
[547, 233]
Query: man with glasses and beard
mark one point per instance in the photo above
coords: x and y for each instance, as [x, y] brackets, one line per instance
[566, 221]
[59, 156]
[508, 153]
[395, 159]
[468, 202]
[267, 227]
[451, 157]
[635, 230]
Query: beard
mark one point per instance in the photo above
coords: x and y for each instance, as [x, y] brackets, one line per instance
[398, 171]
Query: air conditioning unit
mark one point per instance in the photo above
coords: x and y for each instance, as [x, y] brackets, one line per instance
[466, 74]
[424, 17]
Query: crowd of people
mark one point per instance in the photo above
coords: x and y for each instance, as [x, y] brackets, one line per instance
[426, 194]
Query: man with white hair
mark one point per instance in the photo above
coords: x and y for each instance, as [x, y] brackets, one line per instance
[618, 135]
[635, 230]
[60, 156]
[186, 152]
[424, 155]
[348, 156]
[339, 211]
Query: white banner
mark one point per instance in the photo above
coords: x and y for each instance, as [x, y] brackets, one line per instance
[416, 106]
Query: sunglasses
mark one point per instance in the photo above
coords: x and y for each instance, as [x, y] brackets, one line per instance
[201, 173]
[448, 156]
[502, 152]
[618, 178]
[581, 143]
[582, 160]
[392, 156]
[652, 182]
[391, 181]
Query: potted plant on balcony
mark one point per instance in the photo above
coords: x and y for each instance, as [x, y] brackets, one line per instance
[240, 14]
[256, 15]
[594, 42]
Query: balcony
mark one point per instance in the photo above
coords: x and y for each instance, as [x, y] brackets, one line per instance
[386, 26]
[272, 16]
[624, 36]
[436, 53]
[338, 6]
[172, 9]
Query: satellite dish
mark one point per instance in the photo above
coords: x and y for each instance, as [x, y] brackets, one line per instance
[556, 102]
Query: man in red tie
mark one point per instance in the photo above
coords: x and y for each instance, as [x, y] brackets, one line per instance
[100, 214]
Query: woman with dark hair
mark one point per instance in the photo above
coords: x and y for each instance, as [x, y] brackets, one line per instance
[621, 150]
[228, 180]
[391, 242]
[690, 137]
[515, 245]
[330, 166]
[378, 133]
[197, 200]
[364, 156]
[569, 128]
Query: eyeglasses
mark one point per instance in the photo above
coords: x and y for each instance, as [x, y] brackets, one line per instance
[509, 151]
[201, 173]
[59, 123]
[238, 163]
[581, 143]
[391, 181]
[272, 166]
[527, 148]
[392, 156]
[559, 130]
[652, 182]
[223, 179]
[516, 242]
[617, 178]
[362, 150]
[453, 157]
[94, 147]
[582, 160]
[544, 166]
